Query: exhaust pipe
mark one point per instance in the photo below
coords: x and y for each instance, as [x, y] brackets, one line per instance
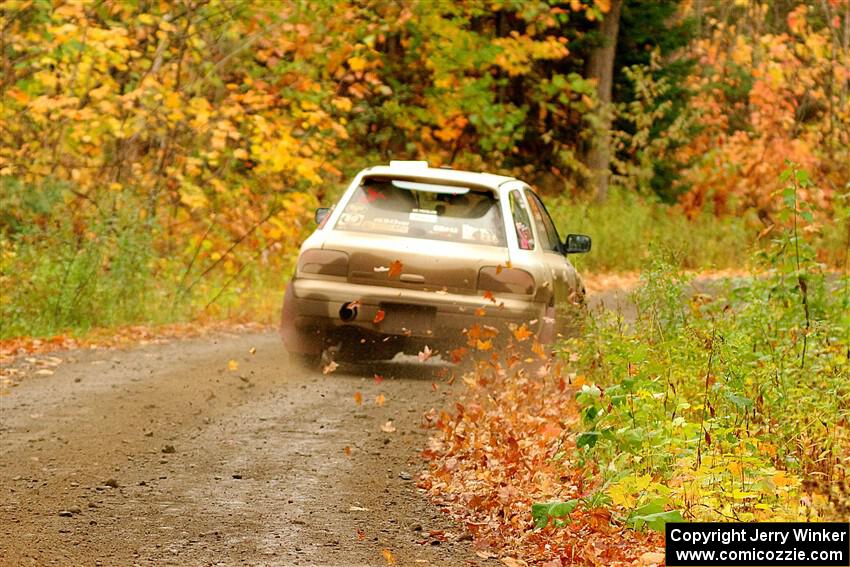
[348, 312]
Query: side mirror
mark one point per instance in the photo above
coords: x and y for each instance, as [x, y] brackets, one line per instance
[321, 214]
[577, 244]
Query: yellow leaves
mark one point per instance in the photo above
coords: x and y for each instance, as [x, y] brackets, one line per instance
[342, 104]
[388, 556]
[522, 333]
[172, 100]
[356, 64]
[380, 400]
[145, 19]
[233, 365]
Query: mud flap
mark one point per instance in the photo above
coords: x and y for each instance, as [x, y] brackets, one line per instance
[294, 340]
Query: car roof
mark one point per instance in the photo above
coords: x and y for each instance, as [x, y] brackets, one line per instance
[421, 170]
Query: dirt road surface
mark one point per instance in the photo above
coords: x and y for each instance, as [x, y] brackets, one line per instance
[175, 455]
[164, 455]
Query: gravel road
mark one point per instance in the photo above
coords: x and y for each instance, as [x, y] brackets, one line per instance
[164, 455]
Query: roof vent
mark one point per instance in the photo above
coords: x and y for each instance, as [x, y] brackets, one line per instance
[406, 163]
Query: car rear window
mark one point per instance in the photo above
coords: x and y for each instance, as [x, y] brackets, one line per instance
[403, 208]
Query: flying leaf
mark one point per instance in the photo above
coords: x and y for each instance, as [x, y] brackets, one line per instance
[358, 397]
[458, 354]
[388, 427]
[484, 345]
[480, 312]
[379, 316]
[378, 378]
[380, 399]
[395, 269]
[388, 556]
[425, 353]
[252, 350]
[330, 367]
[347, 451]
[489, 296]
[522, 333]
[232, 365]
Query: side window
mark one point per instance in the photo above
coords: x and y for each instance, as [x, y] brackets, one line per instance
[544, 223]
[522, 223]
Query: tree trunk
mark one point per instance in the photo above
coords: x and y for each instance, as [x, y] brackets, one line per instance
[600, 66]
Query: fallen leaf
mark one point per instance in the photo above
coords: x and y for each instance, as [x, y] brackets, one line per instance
[357, 509]
[480, 312]
[434, 386]
[388, 427]
[358, 397]
[233, 366]
[511, 562]
[484, 345]
[380, 399]
[44, 372]
[347, 451]
[651, 558]
[395, 268]
[379, 316]
[388, 556]
[425, 353]
[330, 367]
[361, 535]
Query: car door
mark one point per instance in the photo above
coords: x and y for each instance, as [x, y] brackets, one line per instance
[564, 276]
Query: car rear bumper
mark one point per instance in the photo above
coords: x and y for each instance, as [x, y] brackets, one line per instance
[311, 314]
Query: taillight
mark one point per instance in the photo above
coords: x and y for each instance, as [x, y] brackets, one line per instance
[325, 262]
[510, 280]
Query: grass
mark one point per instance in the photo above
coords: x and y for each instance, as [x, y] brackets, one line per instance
[627, 229]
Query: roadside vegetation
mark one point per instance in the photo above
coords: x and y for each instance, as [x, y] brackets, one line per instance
[726, 404]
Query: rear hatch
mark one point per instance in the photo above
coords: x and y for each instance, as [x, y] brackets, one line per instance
[418, 235]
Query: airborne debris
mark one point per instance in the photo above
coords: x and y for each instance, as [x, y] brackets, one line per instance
[388, 427]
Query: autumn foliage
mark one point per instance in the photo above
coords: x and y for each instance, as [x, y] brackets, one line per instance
[175, 151]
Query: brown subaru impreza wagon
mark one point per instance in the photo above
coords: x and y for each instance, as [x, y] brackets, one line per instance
[413, 256]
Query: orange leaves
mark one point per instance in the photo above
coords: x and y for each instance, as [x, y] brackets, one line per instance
[388, 556]
[522, 333]
[488, 295]
[380, 400]
[379, 316]
[501, 450]
[358, 398]
[395, 269]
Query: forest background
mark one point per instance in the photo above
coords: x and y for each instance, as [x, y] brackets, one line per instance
[160, 161]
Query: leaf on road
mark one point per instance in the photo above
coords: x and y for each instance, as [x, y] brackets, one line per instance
[347, 451]
[358, 397]
[388, 427]
[232, 365]
[380, 399]
[252, 350]
[388, 556]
